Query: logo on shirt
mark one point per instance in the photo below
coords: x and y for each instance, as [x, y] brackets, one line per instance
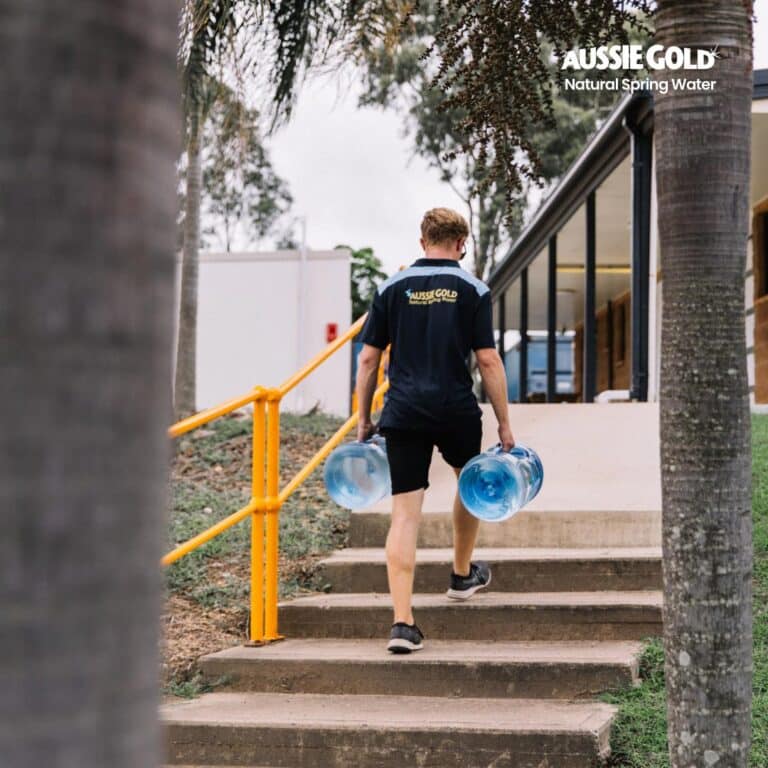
[435, 296]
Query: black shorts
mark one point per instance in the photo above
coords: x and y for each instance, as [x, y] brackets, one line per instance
[409, 451]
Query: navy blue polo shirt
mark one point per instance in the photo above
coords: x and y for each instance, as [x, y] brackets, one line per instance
[433, 314]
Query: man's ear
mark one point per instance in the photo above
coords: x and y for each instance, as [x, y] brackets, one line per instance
[422, 244]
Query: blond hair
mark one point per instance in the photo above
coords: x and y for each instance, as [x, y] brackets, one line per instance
[442, 225]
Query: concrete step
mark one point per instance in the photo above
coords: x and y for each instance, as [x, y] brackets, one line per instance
[313, 730]
[555, 670]
[488, 616]
[525, 569]
[528, 528]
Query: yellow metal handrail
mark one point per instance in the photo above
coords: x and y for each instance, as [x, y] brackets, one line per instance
[266, 499]
[198, 419]
[298, 377]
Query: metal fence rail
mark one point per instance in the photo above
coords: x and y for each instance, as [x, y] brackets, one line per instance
[266, 498]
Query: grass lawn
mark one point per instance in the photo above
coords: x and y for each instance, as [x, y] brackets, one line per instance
[639, 738]
[206, 606]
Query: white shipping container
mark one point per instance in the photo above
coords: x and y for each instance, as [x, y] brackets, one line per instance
[259, 322]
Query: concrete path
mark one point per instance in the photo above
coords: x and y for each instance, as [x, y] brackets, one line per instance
[507, 679]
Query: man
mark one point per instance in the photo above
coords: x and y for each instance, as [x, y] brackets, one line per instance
[433, 314]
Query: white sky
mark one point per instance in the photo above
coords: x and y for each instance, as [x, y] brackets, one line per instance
[352, 174]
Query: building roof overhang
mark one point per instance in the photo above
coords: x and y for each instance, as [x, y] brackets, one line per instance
[609, 145]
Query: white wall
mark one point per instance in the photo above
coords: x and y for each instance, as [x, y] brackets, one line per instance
[248, 326]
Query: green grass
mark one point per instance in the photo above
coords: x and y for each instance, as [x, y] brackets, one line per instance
[194, 687]
[212, 474]
[194, 509]
[759, 756]
[639, 735]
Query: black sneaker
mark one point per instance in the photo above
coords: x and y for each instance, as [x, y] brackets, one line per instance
[463, 587]
[405, 638]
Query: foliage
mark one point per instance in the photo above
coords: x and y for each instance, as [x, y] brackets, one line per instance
[639, 735]
[397, 76]
[759, 755]
[287, 240]
[639, 732]
[313, 32]
[279, 39]
[491, 67]
[195, 508]
[403, 77]
[211, 480]
[366, 273]
[274, 44]
[208, 28]
[194, 687]
[242, 194]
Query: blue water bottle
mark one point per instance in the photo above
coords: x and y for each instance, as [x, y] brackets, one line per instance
[497, 484]
[357, 474]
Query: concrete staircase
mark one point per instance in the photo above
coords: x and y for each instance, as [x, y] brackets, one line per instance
[507, 679]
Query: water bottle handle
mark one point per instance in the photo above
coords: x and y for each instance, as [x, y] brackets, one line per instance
[374, 438]
[518, 450]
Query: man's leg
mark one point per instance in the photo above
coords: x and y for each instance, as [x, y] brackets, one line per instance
[401, 551]
[465, 527]
[458, 446]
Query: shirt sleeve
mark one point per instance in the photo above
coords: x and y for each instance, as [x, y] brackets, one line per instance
[482, 330]
[376, 329]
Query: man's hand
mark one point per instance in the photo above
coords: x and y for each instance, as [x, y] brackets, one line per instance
[365, 430]
[506, 437]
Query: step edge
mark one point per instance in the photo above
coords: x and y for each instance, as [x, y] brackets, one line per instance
[336, 559]
[507, 728]
[507, 599]
[624, 657]
[627, 651]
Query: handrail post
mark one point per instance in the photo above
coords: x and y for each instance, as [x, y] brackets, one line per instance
[256, 629]
[273, 508]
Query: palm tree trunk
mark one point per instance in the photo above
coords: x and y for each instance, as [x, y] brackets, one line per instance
[702, 153]
[86, 308]
[185, 390]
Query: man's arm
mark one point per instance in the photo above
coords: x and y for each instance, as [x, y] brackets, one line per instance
[367, 369]
[495, 383]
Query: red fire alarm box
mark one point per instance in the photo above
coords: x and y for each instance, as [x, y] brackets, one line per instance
[331, 332]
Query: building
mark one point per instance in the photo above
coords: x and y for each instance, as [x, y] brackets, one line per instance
[589, 259]
[536, 384]
[262, 316]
